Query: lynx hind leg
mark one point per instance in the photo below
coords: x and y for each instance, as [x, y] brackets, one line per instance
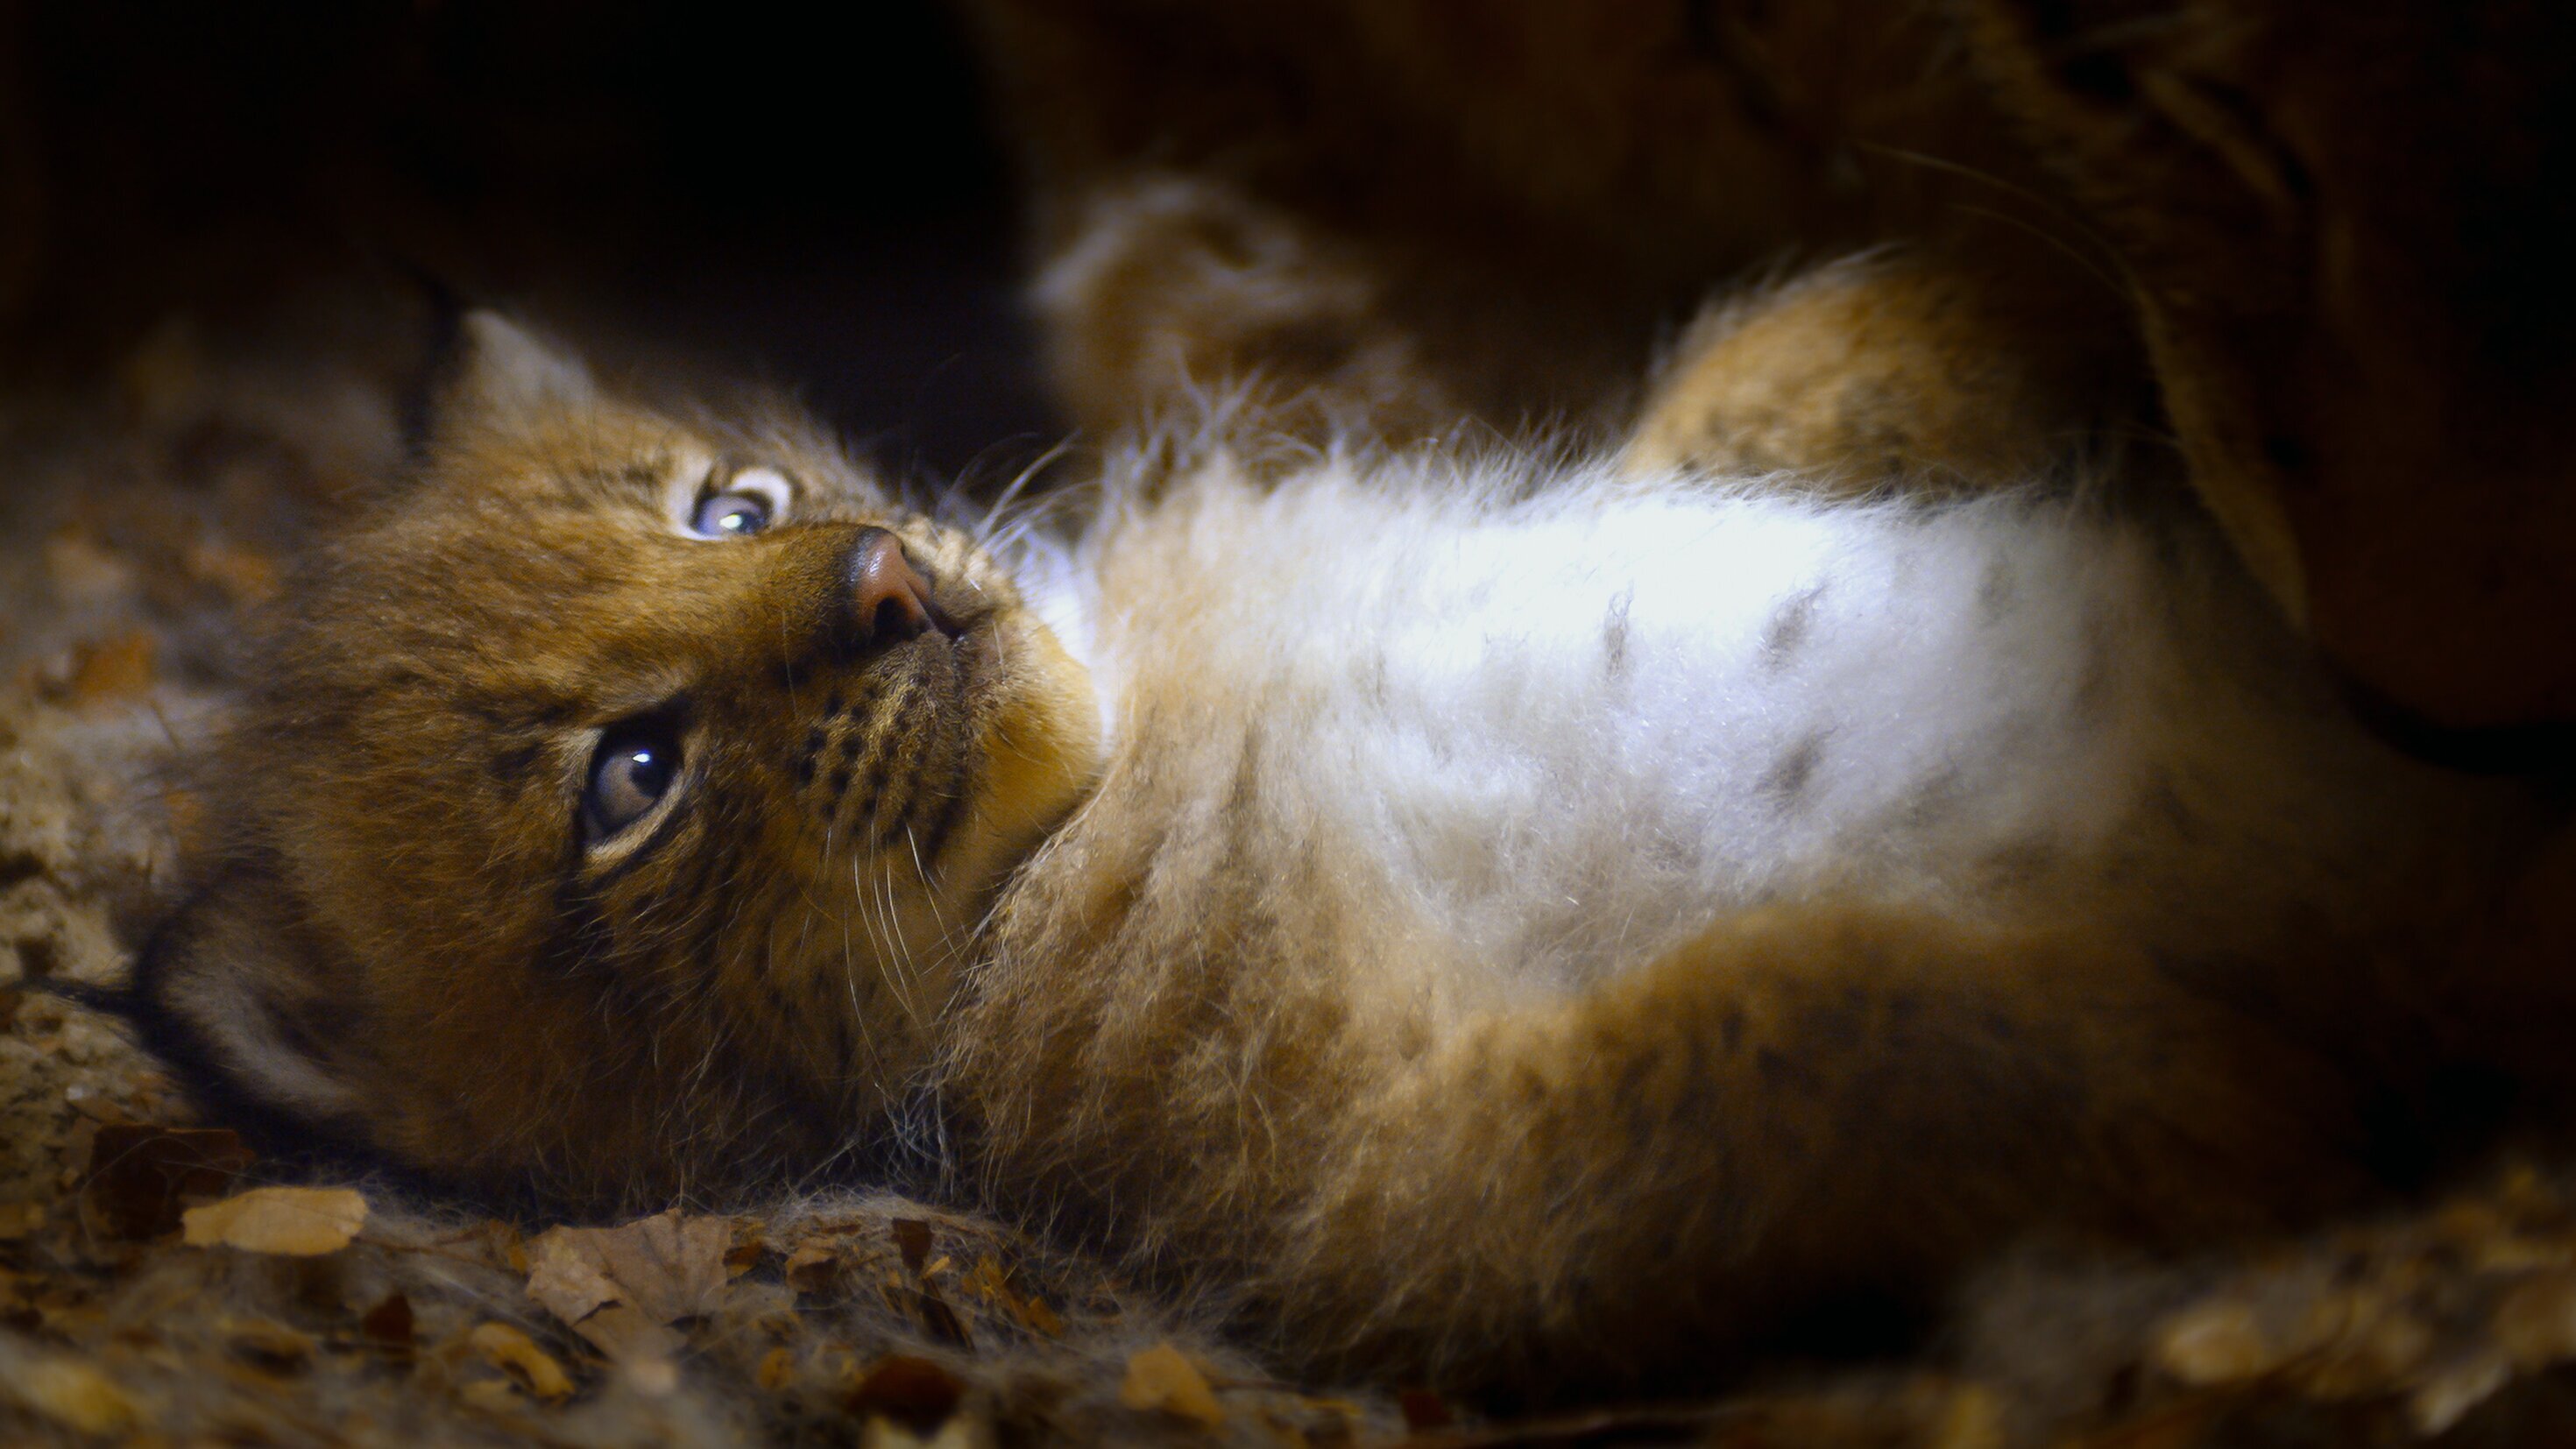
[1800, 1110]
[1868, 373]
[1177, 295]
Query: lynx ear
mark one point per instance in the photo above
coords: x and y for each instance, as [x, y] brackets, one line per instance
[504, 376]
[237, 992]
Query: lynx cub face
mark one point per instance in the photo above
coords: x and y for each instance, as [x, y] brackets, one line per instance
[652, 770]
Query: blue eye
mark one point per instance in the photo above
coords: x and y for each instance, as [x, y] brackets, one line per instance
[748, 501]
[730, 515]
[633, 769]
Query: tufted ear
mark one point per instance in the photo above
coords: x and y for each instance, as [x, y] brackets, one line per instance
[503, 376]
[238, 993]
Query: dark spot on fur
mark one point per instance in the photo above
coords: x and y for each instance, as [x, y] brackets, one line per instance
[2097, 687]
[1995, 593]
[2163, 800]
[1938, 795]
[517, 764]
[1788, 780]
[1786, 632]
[1614, 637]
[2019, 865]
[1782, 1073]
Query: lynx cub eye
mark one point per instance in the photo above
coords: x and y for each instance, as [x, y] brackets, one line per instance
[749, 502]
[631, 772]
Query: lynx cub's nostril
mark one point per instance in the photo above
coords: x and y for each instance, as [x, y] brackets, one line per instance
[889, 599]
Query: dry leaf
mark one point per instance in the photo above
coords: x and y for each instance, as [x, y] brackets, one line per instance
[937, 1319]
[2216, 1343]
[1971, 1418]
[912, 1238]
[626, 1336]
[272, 1344]
[514, 1353]
[811, 1269]
[84, 570]
[566, 1278]
[665, 1267]
[76, 1396]
[2447, 1397]
[1162, 1377]
[777, 1369]
[388, 1325]
[2536, 1323]
[119, 667]
[247, 577]
[492, 1396]
[300, 1222]
[18, 1219]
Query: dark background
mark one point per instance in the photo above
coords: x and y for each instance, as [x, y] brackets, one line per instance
[821, 200]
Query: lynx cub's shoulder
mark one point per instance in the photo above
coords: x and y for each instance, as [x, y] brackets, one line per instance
[1483, 918]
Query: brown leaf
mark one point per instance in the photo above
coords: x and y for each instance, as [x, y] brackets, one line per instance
[625, 1336]
[914, 1392]
[777, 1369]
[912, 1237]
[1162, 1377]
[271, 1345]
[117, 667]
[75, 1396]
[388, 1325]
[246, 576]
[516, 1354]
[141, 1177]
[566, 1277]
[812, 1268]
[2446, 1396]
[665, 1267]
[296, 1222]
[2215, 1343]
[2535, 1325]
[939, 1320]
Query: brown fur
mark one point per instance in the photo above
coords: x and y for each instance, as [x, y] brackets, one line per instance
[399, 858]
[2336, 231]
[1180, 1030]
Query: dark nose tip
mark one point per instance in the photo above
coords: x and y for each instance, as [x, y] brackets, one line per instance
[888, 599]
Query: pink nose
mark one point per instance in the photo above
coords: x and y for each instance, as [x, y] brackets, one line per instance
[889, 600]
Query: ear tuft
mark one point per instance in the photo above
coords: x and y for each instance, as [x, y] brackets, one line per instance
[236, 993]
[507, 376]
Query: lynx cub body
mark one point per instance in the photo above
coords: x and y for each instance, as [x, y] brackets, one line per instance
[1478, 918]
